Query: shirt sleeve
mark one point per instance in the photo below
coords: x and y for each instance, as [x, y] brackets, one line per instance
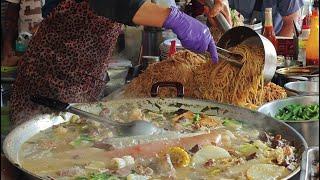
[287, 7]
[14, 1]
[121, 11]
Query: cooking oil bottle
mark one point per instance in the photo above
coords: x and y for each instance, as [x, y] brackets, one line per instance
[312, 49]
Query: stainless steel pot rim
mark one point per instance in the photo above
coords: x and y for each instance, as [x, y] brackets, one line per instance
[291, 97]
[297, 71]
[7, 143]
[299, 121]
[287, 86]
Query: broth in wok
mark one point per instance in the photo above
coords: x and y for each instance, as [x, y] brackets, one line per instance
[208, 147]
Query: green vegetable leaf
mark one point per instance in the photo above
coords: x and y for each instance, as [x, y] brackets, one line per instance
[102, 176]
[232, 123]
[196, 118]
[83, 138]
[298, 112]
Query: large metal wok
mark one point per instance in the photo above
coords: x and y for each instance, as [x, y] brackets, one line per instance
[22, 133]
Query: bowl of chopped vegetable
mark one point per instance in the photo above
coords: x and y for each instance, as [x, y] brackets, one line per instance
[300, 112]
[302, 88]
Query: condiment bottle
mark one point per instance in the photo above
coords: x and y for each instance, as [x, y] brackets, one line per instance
[268, 30]
[173, 48]
[312, 49]
[303, 39]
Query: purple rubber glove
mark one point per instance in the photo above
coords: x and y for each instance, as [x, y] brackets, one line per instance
[192, 33]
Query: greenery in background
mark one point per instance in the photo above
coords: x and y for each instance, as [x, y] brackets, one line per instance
[296, 112]
[233, 13]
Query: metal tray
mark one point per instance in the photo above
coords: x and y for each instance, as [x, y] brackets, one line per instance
[307, 71]
[309, 158]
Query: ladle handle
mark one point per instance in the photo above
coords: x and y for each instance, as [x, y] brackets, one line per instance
[51, 103]
[103, 120]
[61, 106]
[222, 21]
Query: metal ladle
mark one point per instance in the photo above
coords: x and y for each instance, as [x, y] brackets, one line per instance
[133, 128]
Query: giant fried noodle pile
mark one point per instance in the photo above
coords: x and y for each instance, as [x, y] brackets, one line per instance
[202, 79]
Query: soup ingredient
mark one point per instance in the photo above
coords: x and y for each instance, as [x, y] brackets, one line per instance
[96, 165]
[118, 163]
[298, 112]
[193, 121]
[137, 177]
[208, 152]
[265, 172]
[179, 157]
[82, 140]
[153, 148]
[315, 170]
[230, 123]
[98, 176]
[248, 149]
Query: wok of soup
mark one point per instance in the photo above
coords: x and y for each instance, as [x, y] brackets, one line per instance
[198, 146]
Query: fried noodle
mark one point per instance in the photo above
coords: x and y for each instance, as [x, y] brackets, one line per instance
[202, 79]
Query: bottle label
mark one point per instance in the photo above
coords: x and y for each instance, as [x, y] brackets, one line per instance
[303, 43]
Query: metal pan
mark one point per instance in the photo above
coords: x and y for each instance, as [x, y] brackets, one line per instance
[23, 132]
[309, 158]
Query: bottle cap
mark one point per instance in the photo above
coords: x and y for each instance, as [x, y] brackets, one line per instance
[316, 3]
[268, 10]
[172, 49]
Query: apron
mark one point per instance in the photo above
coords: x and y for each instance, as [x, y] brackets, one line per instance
[66, 60]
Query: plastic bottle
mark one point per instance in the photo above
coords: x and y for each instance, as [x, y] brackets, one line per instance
[172, 49]
[306, 10]
[303, 39]
[268, 31]
[312, 49]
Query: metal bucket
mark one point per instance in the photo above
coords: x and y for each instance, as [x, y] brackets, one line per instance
[257, 27]
[245, 35]
[309, 129]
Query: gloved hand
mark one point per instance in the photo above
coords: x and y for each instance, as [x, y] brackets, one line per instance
[192, 33]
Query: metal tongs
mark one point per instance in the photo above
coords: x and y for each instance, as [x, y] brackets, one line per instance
[233, 58]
